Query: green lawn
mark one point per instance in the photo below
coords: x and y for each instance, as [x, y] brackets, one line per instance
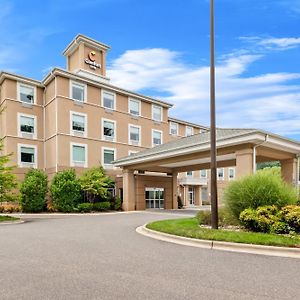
[189, 228]
[8, 218]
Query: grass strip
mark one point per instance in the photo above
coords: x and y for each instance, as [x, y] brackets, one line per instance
[8, 218]
[190, 228]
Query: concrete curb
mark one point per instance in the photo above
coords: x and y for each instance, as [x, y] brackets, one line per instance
[12, 222]
[221, 246]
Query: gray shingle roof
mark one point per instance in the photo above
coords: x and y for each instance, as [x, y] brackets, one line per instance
[186, 142]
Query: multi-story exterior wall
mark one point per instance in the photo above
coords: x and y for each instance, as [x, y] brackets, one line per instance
[76, 118]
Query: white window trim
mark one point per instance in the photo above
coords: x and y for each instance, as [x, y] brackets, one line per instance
[20, 133]
[161, 115]
[140, 135]
[24, 164]
[28, 86]
[105, 138]
[102, 98]
[108, 166]
[79, 164]
[205, 174]
[135, 100]
[223, 177]
[84, 92]
[162, 137]
[229, 173]
[186, 129]
[75, 132]
[130, 152]
[177, 129]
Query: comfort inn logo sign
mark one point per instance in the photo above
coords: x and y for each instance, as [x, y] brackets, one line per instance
[91, 61]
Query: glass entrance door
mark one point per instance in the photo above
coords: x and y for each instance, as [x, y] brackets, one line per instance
[191, 195]
[155, 198]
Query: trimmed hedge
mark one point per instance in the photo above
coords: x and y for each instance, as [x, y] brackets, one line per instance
[33, 191]
[225, 218]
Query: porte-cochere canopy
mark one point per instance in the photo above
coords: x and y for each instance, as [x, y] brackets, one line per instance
[242, 148]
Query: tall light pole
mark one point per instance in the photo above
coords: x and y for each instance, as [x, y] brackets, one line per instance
[213, 148]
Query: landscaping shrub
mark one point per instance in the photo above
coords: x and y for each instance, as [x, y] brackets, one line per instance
[263, 188]
[33, 191]
[117, 203]
[95, 184]
[271, 219]
[101, 206]
[224, 218]
[85, 207]
[179, 201]
[9, 207]
[65, 191]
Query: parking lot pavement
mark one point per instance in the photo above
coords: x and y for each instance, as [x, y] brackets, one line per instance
[102, 257]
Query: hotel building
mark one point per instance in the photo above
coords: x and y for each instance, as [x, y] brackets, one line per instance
[74, 118]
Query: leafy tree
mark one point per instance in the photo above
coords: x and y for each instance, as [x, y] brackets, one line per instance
[33, 191]
[65, 191]
[95, 183]
[272, 164]
[7, 178]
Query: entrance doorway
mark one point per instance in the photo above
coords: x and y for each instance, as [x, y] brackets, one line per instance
[155, 198]
[191, 195]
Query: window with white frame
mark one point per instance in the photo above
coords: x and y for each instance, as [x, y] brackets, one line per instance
[134, 107]
[108, 100]
[27, 156]
[220, 172]
[27, 125]
[204, 194]
[231, 173]
[189, 174]
[79, 155]
[157, 113]
[173, 128]
[134, 135]
[156, 137]
[203, 173]
[109, 155]
[130, 152]
[26, 93]
[78, 123]
[78, 91]
[189, 131]
[108, 130]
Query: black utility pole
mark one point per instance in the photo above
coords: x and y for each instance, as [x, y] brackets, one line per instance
[213, 148]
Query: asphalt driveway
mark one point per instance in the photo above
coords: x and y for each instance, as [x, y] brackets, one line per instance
[102, 257]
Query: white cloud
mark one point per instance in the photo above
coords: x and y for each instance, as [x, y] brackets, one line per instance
[268, 101]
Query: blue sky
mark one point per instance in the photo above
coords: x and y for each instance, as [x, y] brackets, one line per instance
[161, 48]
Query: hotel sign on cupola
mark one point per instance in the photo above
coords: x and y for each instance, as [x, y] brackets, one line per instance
[91, 61]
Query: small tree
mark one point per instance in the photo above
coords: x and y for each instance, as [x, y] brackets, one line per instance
[7, 178]
[65, 191]
[95, 183]
[33, 191]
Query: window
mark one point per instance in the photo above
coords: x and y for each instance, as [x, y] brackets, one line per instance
[130, 152]
[27, 156]
[78, 123]
[203, 173]
[220, 172]
[204, 194]
[189, 131]
[157, 113]
[189, 174]
[79, 155]
[78, 91]
[134, 107]
[27, 126]
[108, 130]
[108, 100]
[231, 173]
[156, 137]
[26, 93]
[173, 128]
[134, 135]
[109, 155]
